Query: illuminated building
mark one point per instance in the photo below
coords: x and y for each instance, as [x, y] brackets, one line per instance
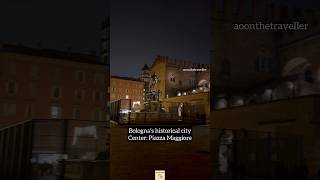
[183, 82]
[180, 77]
[127, 88]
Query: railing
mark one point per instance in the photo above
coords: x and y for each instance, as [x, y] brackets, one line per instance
[165, 118]
[58, 144]
[163, 113]
[15, 151]
[50, 148]
[240, 153]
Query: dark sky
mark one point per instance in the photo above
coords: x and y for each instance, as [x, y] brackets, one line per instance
[142, 29]
[56, 24]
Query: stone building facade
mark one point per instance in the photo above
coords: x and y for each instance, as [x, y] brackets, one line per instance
[179, 78]
[268, 80]
[263, 65]
[127, 88]
[49, 84]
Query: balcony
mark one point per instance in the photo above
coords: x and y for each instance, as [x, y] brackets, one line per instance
[299, 110]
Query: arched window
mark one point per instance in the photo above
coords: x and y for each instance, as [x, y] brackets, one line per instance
[236, 7]
[263, 62]
[248, 8]
[308, 76]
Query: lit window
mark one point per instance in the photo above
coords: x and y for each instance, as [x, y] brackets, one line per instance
[55, 112]
[136, 104]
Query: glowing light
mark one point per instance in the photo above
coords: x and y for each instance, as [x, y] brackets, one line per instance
[136, 103]
[124, 111]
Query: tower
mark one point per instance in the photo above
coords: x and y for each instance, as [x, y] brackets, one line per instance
[145, 75]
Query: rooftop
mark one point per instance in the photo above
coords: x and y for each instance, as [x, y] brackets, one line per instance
[127, 78]
[51, 53]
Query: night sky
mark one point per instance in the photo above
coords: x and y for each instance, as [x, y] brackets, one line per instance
[143, 29]
[55, 24]
[140, 30]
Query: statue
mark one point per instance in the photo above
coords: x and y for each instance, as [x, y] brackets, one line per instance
[152, 94]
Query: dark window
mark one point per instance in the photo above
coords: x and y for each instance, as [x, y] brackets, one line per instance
[308, 76]
[80, 76]
[12, 87]
[97, 96]
[261, 8]
[80, 94]
[236, 6]
[284, 13]
[248, 7]
[56, 92]
[263, 64]
[225, 68]
[221, 5]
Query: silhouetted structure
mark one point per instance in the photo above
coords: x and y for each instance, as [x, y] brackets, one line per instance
[267, 80]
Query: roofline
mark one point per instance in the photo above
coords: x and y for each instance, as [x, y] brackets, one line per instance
[51, 53]
[126, 78]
